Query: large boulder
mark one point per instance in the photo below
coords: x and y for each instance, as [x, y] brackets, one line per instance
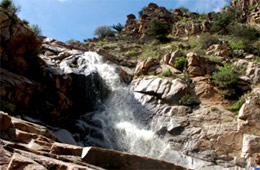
[196, 64]
[167, 90]
[143, 67]
[118, 160]
[221, 50]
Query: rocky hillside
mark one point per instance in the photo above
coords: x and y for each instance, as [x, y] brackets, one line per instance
[195, 77]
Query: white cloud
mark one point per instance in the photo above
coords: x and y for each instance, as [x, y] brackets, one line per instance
[203, 5]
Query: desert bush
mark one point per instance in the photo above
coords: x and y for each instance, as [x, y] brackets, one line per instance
[183, 10]
[236, 45]
[25, 22]
[167, 73]
[9, 6]
[204, 41]
[158, 29]
[245, 32]
[132, 52]
[180, 62]
[36, 29]
[118, 27]
[225, 18]
[225, 77]
[236, 107]
[104, 31]
[187, 100]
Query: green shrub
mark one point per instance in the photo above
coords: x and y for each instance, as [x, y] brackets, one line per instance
[204, 41]
[9, 6]
[36, 29]
[245, 32]
[236, 107]
[187, 100]
[180, 62]
[167, 73]
[25, 22]
[225, 77]
[158, 29]
[132, 53]
[104, 31]
[213, 109]
[236, 45]
[119, 27]
[225, 18]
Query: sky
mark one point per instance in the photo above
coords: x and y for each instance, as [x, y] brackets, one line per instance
[77, 19]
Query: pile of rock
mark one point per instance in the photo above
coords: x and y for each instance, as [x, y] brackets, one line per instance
[26, 145]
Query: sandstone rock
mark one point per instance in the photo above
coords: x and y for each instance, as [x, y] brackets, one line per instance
[195, 28]
[166, 58]
[118, 160]
[18, 42]
[5, 121]
[65, 149]
[21, 162]
[219, 50]
[251, 145]
[196, 64]
[169, 91]
[145, 66]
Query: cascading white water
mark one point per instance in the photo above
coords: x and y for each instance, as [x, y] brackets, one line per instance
[117, 123]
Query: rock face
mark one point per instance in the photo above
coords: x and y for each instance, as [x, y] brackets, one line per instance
[26, 145]
[221, 50]
[33, 83]
[169, 91]
[152, 11]
[196, 64]
[18, 44]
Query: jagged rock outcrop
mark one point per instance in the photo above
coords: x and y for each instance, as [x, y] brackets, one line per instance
[32, 81]
[250, 10]
[26, 145]
[151, 12]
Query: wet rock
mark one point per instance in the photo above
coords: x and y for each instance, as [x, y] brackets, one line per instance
[65, 136]
[125, 75]
[118, 160]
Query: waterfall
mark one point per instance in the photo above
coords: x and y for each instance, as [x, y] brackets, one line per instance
[116, 125]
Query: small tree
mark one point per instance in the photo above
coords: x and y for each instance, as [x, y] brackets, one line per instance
[9, 6]
[223, 19]
[118, 27]
[104, 31]
[36, 29]
[158, 29]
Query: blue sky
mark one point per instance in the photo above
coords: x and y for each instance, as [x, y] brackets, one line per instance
[77, 19]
